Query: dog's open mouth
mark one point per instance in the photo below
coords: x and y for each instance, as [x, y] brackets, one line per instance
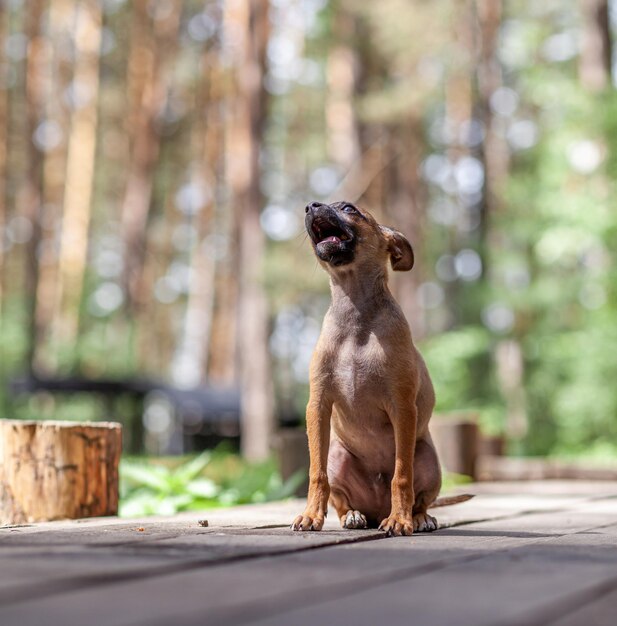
[324, 232]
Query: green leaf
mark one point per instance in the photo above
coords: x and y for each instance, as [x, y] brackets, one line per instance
[154, 477]
[193, 468]
[138, 505]
[289, 487]
[202, 488]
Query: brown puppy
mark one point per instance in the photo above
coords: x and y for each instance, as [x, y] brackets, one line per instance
[371, 396]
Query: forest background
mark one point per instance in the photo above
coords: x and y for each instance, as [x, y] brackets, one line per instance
[156, 156]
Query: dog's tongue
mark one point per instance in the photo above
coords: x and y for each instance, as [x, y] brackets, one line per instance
[331, 238]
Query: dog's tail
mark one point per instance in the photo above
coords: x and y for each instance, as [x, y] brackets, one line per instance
[449, 500]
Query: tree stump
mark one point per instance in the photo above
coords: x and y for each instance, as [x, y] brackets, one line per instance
[291, 446]
[57, 470]
[456, 439]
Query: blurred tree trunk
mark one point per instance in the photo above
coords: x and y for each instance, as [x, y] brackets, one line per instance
[494, 148]
[223, 353]
[29, 195]
[4, 122]
[367, 181]
[248, 23]
[221, 360]
[494, 151]
[192, 349]
[359, 149]
[214, 249]
[507, 354]
[459, 97]
[149, 65]
[459, 103]
[407, 212]
[79, 168]
[341, 75]
[381, 161]
[161, 255]
[60, 72]
[595, 59]
[510, 375]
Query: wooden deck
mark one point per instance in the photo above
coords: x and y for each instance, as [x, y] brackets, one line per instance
[518, 554]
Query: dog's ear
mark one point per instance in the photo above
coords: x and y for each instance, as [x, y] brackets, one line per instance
[400, 250]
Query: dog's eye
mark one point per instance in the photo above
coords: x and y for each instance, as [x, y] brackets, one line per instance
[348, 208]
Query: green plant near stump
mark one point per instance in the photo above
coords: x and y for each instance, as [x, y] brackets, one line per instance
[212, 479]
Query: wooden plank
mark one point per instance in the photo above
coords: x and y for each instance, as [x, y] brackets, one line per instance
[38, 570]
[530, 583]
[359, 578]
[596, 609]
[493, 500]
[496, 468]
[59, 571]
[46, 558]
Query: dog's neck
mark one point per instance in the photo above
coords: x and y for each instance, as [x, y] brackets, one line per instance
[359, 293]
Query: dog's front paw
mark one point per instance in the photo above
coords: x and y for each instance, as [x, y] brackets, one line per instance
[308, 521]
[397, 525]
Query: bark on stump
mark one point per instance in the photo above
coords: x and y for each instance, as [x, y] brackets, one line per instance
[58, 470]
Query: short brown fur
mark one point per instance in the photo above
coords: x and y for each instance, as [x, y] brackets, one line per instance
[371, 396]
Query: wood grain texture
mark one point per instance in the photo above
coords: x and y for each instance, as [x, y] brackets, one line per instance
[55, 470]
[526, 553]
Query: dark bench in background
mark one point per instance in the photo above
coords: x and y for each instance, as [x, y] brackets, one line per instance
[197, 418]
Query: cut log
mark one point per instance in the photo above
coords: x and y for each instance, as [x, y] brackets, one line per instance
[57, 470]
[456, 440]
[291, 447]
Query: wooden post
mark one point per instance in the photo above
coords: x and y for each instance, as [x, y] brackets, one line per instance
[456, 440]
[57, 470]
[291, 446]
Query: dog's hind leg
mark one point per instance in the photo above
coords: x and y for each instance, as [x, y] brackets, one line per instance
[427, 483]
[351, 491]
[350, 518]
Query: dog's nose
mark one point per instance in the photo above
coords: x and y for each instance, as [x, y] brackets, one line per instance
[311, 206]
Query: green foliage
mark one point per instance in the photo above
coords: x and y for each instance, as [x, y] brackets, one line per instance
[571, 382]
[560, 228]
[449, 480]
[212, 479]
[462, 375]
[450, 358]
[99, 351]
[149, 489]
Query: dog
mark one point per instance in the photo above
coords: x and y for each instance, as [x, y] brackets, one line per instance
[371, 396]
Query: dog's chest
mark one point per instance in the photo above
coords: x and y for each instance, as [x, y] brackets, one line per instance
[358, 375]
